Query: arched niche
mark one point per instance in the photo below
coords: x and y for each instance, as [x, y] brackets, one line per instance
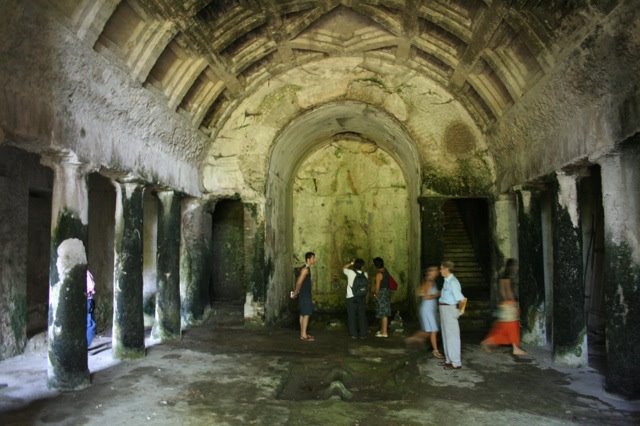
[303, 135]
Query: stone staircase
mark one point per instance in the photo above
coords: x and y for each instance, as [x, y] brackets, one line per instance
[458, 249]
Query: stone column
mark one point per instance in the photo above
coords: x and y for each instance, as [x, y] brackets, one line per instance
[569, 321]
[167, 320]
[506, 235]
[14, 226]
[432, 220]
[67, 367]
[621, 203]
[195, 260]
[254, 266]
[128, 320]
[531, 272]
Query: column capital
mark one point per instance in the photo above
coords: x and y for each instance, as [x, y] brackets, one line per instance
[61, 158]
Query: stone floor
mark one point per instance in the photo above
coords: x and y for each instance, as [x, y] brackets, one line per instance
[238, 376]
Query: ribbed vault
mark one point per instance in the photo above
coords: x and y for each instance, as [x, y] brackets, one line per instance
[202, 54]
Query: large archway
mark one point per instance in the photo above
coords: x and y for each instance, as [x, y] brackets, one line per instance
[350, 201]
[305, 134]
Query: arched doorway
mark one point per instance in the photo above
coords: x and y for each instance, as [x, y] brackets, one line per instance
[304, 135]
[349, 200]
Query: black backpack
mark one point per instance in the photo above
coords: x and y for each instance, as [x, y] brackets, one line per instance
[360, 286]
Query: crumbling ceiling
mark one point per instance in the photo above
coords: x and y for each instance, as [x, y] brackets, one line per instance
[204, 54]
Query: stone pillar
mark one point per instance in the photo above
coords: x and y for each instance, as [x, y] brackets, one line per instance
[569, 320]
[254, 266]
[128, 320]
[432, 220]
[14, 225]
[195, 260]
[67, 367]
[506, 235]
[167, 320]
[621, 203]
[531, 272]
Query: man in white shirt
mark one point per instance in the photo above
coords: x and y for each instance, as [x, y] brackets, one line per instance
[356, 308]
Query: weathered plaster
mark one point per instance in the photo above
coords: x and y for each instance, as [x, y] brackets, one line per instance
[243, 143]
[67, 358]
[167, 313]
[350, 200]
[569, 321]
[195, 259]
[79, 101]
[583, 107]
[128, 321]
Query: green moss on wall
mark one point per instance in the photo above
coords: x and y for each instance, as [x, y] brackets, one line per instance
[568, 287]
[622, 300]
[531, 274]
[19, 320]
[472, 177]
[432, 218]
[68, 350]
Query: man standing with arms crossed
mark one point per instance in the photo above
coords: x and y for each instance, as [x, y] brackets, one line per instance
[451, 304]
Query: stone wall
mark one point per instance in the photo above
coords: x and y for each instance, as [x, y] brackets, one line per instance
[350, 200]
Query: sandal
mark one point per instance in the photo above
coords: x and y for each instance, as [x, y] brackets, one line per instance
[309, 338]
[437, 354]
[452, 367]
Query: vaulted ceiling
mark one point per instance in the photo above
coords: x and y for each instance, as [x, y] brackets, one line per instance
[204, 54]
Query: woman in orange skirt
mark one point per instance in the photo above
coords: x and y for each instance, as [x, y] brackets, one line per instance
[506, 329]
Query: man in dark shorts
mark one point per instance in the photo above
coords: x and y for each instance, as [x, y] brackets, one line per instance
[303, 289]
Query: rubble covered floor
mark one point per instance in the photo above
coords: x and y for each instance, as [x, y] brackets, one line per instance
[234, 375]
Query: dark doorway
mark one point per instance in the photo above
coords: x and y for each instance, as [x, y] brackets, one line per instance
[457, 229]
[38, 253]
[592, 224]
[40, 183]
[102, 207]
[227, 279]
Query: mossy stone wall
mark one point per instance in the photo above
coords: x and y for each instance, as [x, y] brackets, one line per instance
[350, 200]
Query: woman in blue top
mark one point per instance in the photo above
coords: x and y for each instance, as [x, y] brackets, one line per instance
[303, 289]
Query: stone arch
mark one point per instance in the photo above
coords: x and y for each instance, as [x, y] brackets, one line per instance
[302, 135]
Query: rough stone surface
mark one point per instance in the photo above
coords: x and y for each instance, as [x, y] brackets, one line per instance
[350, 200]
[218, 375]
[167, 312]
[128, 320]
[531, 268]
[569, 323]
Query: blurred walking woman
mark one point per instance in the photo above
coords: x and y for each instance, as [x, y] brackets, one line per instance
[506, 329]
[429, 294]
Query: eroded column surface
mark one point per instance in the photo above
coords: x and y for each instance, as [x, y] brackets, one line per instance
[531, 271]
[128, 320]
[505, 234]
[14, 202]
[569, 320]
[621, 203]
[254, 266]
[67, 367]
[167, 320]
[195, 260]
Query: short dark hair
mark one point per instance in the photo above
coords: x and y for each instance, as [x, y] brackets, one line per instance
[448, 264]
[308, 255]
[358, 264]
[378, 262]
